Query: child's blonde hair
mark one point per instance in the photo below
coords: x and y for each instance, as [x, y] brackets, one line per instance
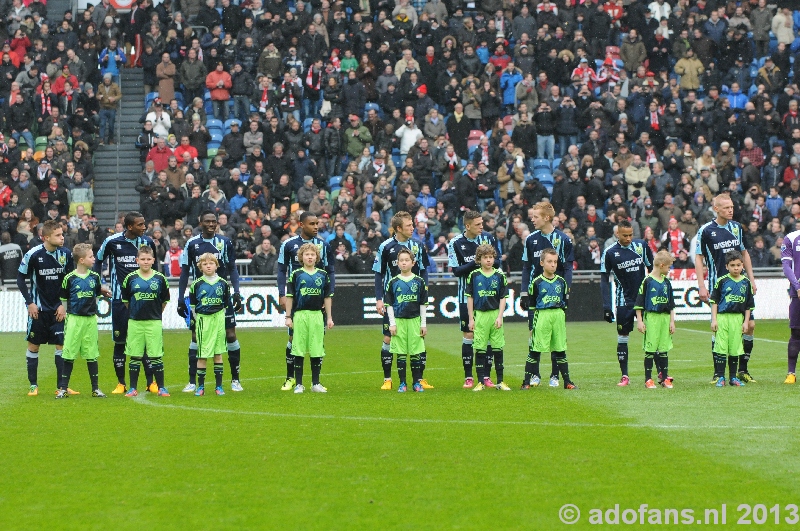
[547, 251]
[663, 258]
[207, 257]
[484, 250]
[546, 209]
[81, 250]
[308, 247]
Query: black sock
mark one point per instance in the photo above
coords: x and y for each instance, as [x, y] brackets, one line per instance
[719, 365]
[554, 364]
[423, 361]
[218, 368]
[714, 356]
[148, 369]
[662, 362]
[59, 360]
[733, 366]
[401, 367]
[316, 368]
[480, 366]
[201, 376]
[560, 359]
[416, 368]
[158, 371]
[134, 366]
[487, 369]
[66, 373]
[747, 342]
[648, 365]
[289, 361]
[498, 364]
[192, 362]
[119, 362]
[622, 357]
[386, 360]
[93, 367]
[466, 357]
[234, 358]
[298, 369]
[532, 366]
[32, 360]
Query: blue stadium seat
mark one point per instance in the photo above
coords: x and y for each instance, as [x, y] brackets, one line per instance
[149, 99]
[229, 122]
[179, 99]
[397, 160]
[541, 163]
[549, 188]
[213, 123]
[545, 178]
[556, 162]
[307, 124]
[208, 107]
[472, 149]
[373, 106]
[213, 145]
[216, 136]
[335, 182]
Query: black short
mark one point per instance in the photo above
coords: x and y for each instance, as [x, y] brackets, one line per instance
[386, 332]
[119, 322]
[463, 313]
[45, 330]
[626, 317]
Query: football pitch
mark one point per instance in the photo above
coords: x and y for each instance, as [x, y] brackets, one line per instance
[361, 458]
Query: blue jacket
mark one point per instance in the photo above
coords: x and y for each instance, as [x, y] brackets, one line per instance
[428, 201]
[737, 100]
[114, 60]
[508, 84]
[774, 205]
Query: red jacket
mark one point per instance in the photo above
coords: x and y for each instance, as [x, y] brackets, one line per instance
[58, 83]
[217, 93]
[160, 157]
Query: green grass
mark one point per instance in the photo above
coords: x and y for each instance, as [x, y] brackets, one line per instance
[359, 458]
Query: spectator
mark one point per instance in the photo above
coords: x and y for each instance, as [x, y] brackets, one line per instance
[265, 261]
[166, 73]
[193, 76]
[219, 83]
[159, 155]
[109, 95]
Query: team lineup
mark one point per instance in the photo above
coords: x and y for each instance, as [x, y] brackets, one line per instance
[61, 287]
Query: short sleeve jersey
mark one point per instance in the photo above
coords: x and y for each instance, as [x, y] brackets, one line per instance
[288, 254]
[733, 296]
[80, 293]
[655, 296]
[714, 241]
[487, 290]
[46, 271]
[145, 296]
[461, 250]
[548, 293]
[121, 254]
[406, 296]
[628, 267]
[208, 296]
[537, 241]
[220, 246]
[386, 258]
[790, 255]
[308, 290]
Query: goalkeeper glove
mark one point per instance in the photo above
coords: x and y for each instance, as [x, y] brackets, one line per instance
[608, 315]
[183, 310]
[237, 302]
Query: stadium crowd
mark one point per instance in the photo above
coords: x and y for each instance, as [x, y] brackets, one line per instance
[355, 110]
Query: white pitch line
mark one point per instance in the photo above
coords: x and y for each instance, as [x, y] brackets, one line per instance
[709, 333]
[141, 399]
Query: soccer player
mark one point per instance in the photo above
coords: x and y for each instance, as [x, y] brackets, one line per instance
[546, 237]
[145, 293]
[790, 258]
[121, 251]
[714, 240]
[548, 294]
[45, 266]
[208, 241]
[658, 324]
[461, 259]
[487, 291]
[288, 261]
[385, 268]
[731, 304]
[627, 262]
[405, 300]
[210, 300]
[309, 292]
[79, 291]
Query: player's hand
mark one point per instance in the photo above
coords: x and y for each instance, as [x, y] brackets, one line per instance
[106, 292]
[423, 331]
[753, 283]
[183, 310]
[237, 301]
[61, 313]
[471, 325]
[641, 327]
[703, 294]
[523, 301]
[714, 326]
[33, 311]
[608, 316]
[289, 322]
[379, 307]
[330, 323]
[393, 330]
[498, 323]
[744, 327]
[671, 327]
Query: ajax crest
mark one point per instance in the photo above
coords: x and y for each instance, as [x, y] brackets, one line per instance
[318, 282]
[219, 290]
[154, 286]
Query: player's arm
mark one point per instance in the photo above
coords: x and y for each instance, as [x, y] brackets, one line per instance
[526, 265]
[671, 306]
[748, 268]
[289, 301]
[423, 309]
[183, 281]
[498, 262]
[126, 292]
[22, 285]
[330, 268]
[233, 273]
[700, 269]
[714, 308]
[569, 261]
[164, 293]
[787, 261]
[328, 305]
[378, 268]
[460, 270]
[500, 309]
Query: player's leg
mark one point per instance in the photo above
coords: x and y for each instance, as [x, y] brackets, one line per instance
[316, 351]
[89, 351]
[467, 349]
[204, 331]
[55, 336]
[531, 377]
[154, 345]
[386, 355]
[192, 385]
[480, 342]
[626, 316]
[747, 345]
[220, 347]
[497, 342]
[402, 365]
[32, 354]
[289, 383]
[71, 349]
[300, 345]
[234, 350]
[119, 325]
[721, 343]
[219, 368]
[558, 344]
[399, 350]
[134, 368]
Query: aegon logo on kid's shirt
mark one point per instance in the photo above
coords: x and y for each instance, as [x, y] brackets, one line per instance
[210, 301]
[148, 296]
[310, 291]
[486, 293]
[551, 298]
[406, 298]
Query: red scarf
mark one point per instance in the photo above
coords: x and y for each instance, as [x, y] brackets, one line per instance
[675, 241]
[310, 79]
[265, 98]
[45, 104]
[288, 100]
